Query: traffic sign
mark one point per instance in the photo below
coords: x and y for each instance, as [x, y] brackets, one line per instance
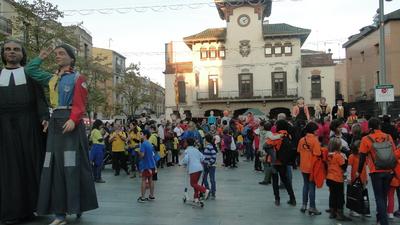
[384, 93]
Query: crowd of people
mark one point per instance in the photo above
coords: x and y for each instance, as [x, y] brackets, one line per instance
[50, 152]
[339, 142]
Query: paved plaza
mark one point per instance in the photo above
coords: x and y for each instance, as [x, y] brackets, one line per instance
[240, 201]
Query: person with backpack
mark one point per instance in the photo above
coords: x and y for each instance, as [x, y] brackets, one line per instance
[379, 148]
[282, 147]
[309, 149]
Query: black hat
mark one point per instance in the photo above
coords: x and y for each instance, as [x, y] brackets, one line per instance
[24, 55]
[339, 97]
[70, 51]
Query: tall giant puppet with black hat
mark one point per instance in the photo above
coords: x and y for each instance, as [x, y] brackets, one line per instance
[67, 185]
[339, 111]
[23, 111]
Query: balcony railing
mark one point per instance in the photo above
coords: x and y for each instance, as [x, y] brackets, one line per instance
[264, 94]
[5, 26]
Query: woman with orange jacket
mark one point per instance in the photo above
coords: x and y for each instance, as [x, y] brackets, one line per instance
[309, 149]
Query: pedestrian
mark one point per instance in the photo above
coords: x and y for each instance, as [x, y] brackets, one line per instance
[96, 155]
[23, 120]
[175, 150]
[336, 166]
[193, 160]
[226, 152]
[210, 158]
[147, 167]
[265, 136]
[380, 176]
[310, 149]
[280, 169]
[118, 140]
[134, 140]
[66, 185]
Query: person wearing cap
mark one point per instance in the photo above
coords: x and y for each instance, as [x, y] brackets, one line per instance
[23, 118]
[66, 185]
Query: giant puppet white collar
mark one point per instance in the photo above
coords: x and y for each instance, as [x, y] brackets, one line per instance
[18, 74]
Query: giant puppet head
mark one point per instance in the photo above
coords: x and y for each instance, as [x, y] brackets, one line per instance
[12, 52]
[65, 55]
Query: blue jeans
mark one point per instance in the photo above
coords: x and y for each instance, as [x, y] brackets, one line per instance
[249, 151]
[289, 172]
[209, 171]
[381, 184]
[308, 191]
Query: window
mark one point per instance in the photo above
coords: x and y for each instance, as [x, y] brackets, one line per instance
[377, 48]
[86, 50]
[288, 49]
[221, 52]
[182, 91]
[246, 85]
[213, 86]
[362, 56]
[213, 53]
[279, 84]
[268, 50]
[278, 49]
[315, 86]
[203, 53]
[337, 88]
[377, 77]
[197, 79]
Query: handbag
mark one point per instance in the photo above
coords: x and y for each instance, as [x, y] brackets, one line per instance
[357, 198]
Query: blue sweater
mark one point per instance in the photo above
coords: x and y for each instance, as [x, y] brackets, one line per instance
[210, 155]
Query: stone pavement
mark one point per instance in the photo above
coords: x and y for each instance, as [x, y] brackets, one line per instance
[240, 201]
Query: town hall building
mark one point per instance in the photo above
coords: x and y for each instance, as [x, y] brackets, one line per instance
[249, 64]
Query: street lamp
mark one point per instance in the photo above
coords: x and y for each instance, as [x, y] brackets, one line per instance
[382, 70]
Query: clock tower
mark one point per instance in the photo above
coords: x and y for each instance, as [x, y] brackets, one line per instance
[244, 25]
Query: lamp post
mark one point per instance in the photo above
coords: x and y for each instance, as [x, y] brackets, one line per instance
[382, 70]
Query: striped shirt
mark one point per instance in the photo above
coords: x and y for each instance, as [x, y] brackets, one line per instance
[210, 155]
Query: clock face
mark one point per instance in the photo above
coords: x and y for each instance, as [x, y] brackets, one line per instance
[243, 20]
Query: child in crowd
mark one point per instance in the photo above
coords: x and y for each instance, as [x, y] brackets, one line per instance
[163, 155]
[193, 160]
[240, 145]
[354, 160]
[175, 150]
[335, 179]
[210, 157]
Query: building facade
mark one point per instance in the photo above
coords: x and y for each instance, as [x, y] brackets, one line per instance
[362, 66]
[248, 64]
[115, 62]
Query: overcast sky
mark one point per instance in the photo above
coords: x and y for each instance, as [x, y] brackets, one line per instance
[140, 36]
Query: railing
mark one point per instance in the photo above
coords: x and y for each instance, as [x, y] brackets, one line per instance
[5, 26]
[257, 94]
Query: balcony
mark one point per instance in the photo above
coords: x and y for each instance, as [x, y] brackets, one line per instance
[256, 96]
[5, 26]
